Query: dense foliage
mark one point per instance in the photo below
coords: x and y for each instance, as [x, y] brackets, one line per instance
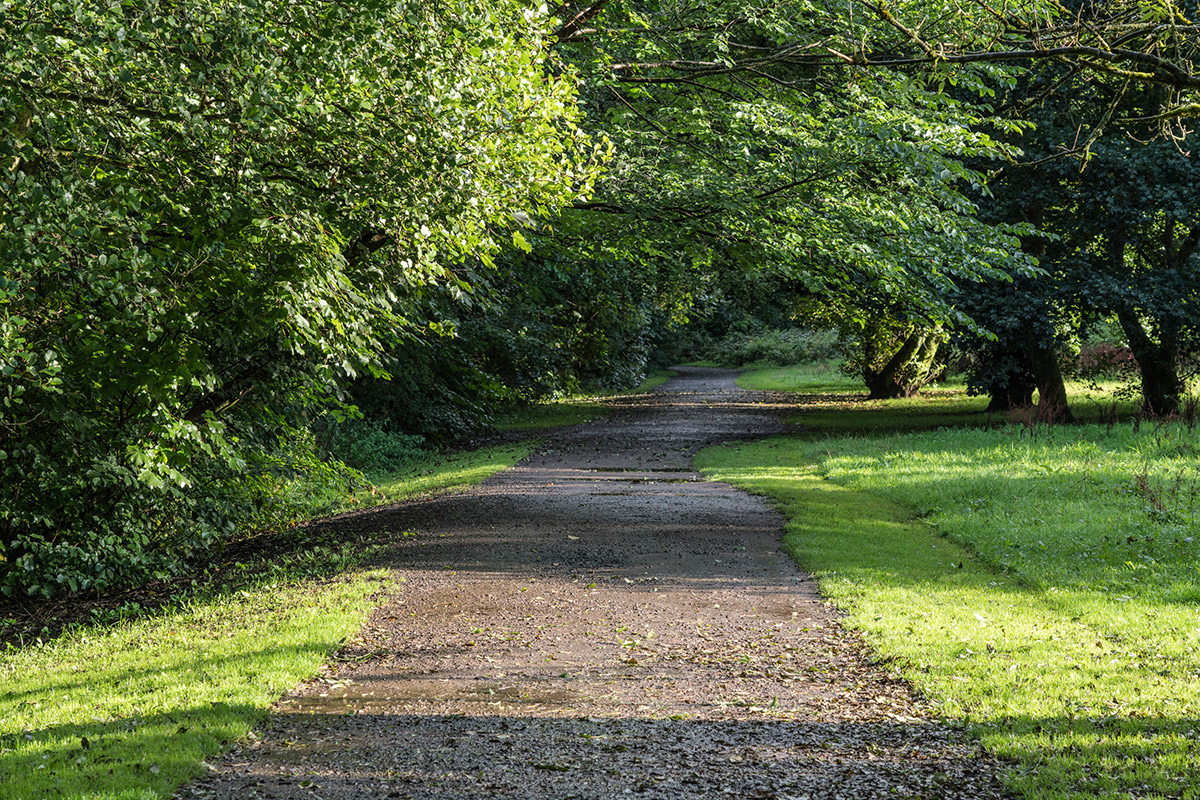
[210, 213]
[741, 157]
[1119, 230]
[220, 220]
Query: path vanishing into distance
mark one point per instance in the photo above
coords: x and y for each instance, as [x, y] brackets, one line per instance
[600, 622]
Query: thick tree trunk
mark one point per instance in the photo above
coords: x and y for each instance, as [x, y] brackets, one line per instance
[907, 371]
[1042, 355]
[1016, 393]
[1052, 392]
[1158, 363]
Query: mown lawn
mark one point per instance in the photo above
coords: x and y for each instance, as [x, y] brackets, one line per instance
[129, 710]
[1041, 584]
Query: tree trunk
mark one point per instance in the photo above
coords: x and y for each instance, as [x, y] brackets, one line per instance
[1042, 355]
[907, 371]
[1052, 392]
[1158, 363]
[1016, 393]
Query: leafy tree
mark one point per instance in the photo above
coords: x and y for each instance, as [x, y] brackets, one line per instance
[894, 358]
[1143, 258]
[206, 213]
[818, 149]
[737, 154]
[1120, 235]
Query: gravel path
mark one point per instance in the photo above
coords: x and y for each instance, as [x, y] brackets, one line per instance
[599, 622]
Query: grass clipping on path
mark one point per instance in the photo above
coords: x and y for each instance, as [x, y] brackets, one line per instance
[1044, 589]
[129, 711]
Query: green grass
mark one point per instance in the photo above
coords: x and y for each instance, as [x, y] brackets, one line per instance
[1043, 589]
[812, 379]
[829, 401]
[554, 414]
[128, 711]
[444, 473]
[654, 380]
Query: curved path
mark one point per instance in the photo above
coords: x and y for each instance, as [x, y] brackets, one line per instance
[599, 622]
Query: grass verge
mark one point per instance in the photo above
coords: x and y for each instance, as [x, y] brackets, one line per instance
[1042, 589]
[129, 710]
[448, 472]
[828, 401]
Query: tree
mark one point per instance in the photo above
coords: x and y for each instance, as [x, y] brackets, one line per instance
[894, 358]
[206, 211]
[1120, 232]
[739, 154]
[1143, 259]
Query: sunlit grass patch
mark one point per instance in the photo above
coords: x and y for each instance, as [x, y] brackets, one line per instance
[130, 711]
[816, 379]
[554, 414]
[934, 408]
[654, 380]
[455, 470]
[1043, 588]
[828, 400]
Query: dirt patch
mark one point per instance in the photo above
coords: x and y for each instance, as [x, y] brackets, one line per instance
[599, 622]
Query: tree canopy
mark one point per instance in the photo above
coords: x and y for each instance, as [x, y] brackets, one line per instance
[207, 212]
[221, 218]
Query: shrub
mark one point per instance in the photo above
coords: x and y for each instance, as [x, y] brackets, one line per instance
[781, 347]
[1106, 360]
[371, 445]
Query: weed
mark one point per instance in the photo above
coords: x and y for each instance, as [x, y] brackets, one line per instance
[1168, 501]
[1190, 411]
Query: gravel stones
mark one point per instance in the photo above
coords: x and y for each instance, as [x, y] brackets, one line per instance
[598, 623]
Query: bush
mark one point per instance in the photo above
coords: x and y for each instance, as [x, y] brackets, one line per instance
[780, 347]
[102, 529]
[1106, 360]
[371, 445]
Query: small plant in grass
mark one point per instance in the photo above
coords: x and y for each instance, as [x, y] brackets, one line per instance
[1189, 411]
[1169, 501]
[1106, 360]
